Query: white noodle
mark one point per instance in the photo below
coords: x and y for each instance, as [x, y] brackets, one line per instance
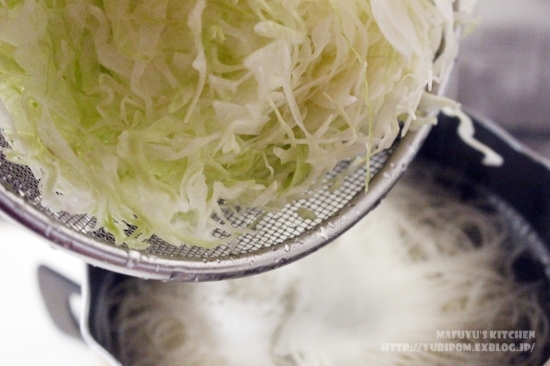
[422, 262]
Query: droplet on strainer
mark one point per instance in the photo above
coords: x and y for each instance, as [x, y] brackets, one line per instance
[134, 258]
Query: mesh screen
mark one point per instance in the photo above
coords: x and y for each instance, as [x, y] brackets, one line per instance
[269, 228]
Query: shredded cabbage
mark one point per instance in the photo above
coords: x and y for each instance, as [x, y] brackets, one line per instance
[161, 113]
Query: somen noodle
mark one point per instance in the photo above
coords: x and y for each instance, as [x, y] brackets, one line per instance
[421, 267]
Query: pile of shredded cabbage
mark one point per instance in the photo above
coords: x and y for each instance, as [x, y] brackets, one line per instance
[160, 113]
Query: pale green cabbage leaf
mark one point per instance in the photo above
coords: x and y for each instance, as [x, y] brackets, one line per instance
[163, 113]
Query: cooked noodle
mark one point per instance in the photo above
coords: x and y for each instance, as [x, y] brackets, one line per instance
[422, 262]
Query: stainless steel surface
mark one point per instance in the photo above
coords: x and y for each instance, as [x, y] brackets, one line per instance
[280, 238]
[519, 191]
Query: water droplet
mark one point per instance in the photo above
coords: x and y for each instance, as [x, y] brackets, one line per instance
[386, 175]
[48, 232]
[324, 234]
[157, 268]
[287, 248]
[134, 257]
[392, 165]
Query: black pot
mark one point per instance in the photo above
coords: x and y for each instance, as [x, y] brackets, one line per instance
[521, 187]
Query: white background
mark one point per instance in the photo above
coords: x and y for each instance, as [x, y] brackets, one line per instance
[27, 334]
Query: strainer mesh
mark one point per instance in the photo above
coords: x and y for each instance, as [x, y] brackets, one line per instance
[270, 228]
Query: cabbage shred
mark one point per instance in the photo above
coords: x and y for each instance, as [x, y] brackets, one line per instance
[162, 113]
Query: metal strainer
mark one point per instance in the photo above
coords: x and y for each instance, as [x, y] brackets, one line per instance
[279, 237]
